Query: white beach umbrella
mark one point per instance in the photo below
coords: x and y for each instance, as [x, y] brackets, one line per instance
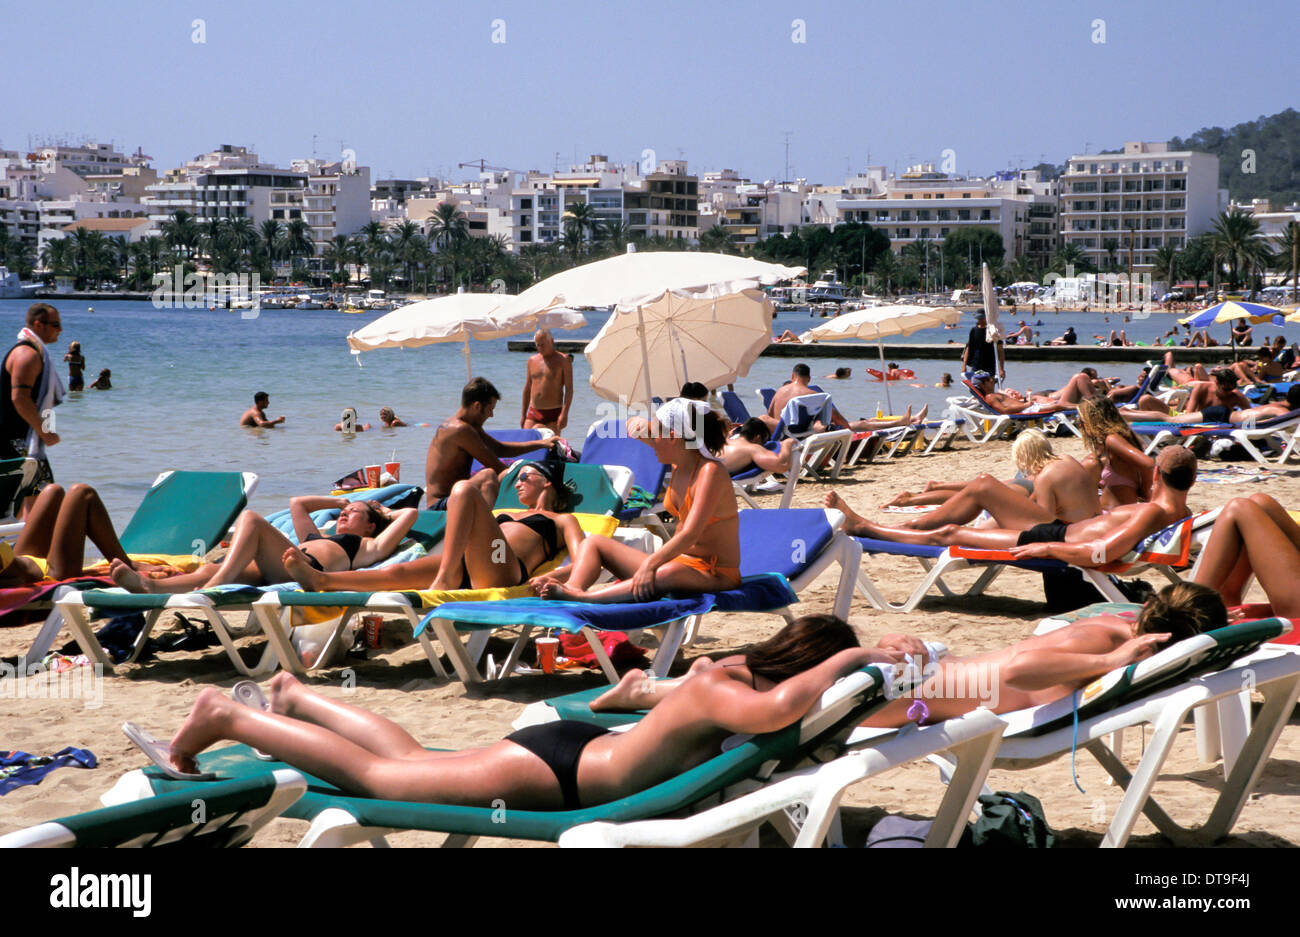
[881, 322]
[652, 347]
[994, 331]
[455, 318]
[641, 276]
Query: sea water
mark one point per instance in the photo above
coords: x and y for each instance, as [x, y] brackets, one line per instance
[182, 378]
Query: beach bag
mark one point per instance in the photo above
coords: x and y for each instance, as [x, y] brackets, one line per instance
[1010, 821]
[899, 833]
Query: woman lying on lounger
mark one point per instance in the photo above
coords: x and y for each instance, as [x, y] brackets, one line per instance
[1031, 453]
[1256, 536]
[486, 551]
[703, 555]
[554, 766]
[1063, 490]
[367, 532]
[52, 545]
[1044, 668]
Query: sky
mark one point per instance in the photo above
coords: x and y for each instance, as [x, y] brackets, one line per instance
[415, 88]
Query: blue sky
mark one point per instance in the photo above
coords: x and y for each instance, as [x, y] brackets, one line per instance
[416, 88]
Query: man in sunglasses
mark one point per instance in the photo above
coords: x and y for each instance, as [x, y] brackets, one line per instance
[30, 389]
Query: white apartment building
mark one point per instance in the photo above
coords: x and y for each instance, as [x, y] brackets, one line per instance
[924, 205]
[40, 198]
[749, 211]
[91, 159]
[1129, 204]
[335, 199]
[229, 182]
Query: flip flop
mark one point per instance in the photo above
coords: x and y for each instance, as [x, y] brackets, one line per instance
[251, 695]
[160, 754]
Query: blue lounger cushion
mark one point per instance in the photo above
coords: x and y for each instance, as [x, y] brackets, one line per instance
[782, 541]
[763, 593]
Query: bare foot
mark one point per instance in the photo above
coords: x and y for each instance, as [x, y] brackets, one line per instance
[899, 500]
[303, 573]
[127, 578]
[836, 503]
[556, 590]
[920, 417]
[284, 686]
[624, 696]
[203, 727]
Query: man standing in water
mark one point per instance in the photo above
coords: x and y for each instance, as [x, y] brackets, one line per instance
[548, 386]
[30, 388]
[256, 414]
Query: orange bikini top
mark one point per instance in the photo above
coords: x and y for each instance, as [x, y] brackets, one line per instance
[684, 509]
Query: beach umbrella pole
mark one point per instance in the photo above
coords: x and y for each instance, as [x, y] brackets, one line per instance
[881, 348]
[469, 374]
[645, 358]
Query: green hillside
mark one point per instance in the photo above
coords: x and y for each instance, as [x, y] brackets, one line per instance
[1275, 141]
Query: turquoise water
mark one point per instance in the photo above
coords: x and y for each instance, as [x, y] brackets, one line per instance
[181, 379]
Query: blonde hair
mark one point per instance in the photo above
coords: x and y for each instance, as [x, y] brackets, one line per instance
[1099, 418]
[1032, 452]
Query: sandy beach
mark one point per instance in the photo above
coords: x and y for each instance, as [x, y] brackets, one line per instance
[398, 682]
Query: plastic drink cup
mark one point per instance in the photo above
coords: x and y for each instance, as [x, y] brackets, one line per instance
[374, 628]
[547, 649]
[394, 469]
[372, 475]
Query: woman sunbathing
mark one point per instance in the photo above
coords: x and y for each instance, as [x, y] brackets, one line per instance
[367, 532]
[1044, 668]
[1031, 452]
[1254, 536]
[554, 766]
[485, 552]
[52, 544]
[703, 555]
[1127, 473]
[1064, 491]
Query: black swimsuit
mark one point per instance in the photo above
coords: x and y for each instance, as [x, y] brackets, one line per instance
[350, 543]
[559, 744]
[1053, 532]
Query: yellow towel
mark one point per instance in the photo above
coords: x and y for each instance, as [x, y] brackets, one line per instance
[161, 562]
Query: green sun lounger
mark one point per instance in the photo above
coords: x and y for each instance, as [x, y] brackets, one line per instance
[805, 808]
[224, 814]
[182, 513]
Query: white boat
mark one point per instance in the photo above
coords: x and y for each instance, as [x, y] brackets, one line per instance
[376, 300]
[307, 301]
[828, 289]
[13, 288]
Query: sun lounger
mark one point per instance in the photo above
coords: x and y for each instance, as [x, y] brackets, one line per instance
[17, 476]
[817, 449]
[1284, 429]
[755, 479]
[1161, 691]
[182, 514]
[737, 777]
[1167, 551]
[518, 435]
[977, 412]
[608, 443]
[231, 815]
[794, 546]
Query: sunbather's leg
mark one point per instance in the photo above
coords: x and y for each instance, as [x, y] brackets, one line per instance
[671, 577]
[81, 515]
[472, 533]
[986, 538]
[596, 553]
[36, 537]
[504, 770]
[1249, 537]
[374, 733]
[1008, 505]
[254, 558]
[1079, 387]
[1198, 398]
[853, 521]
[132, 581]
[414, 574]
[867, 425]
[934, 493]
[488, 484]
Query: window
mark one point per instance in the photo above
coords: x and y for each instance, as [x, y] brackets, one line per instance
[985, 215]
[943, 232]
[904, 233]
[1178, 165]
[965, 195]
[1092, 168]
[963, 214]
[925, 233]
[923, 214]
[904, 215]
[907, 196]
[1135, 167]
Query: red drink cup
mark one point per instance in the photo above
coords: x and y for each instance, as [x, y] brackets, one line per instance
[394, 469]
[372, 475]
[547, 649]
[374, 628]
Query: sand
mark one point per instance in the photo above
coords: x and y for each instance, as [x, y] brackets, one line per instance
[399, 683]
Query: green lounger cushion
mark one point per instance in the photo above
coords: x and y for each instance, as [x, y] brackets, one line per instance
[183, 508]
[589, 484]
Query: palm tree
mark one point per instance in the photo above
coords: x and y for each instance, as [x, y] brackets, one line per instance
[717, 240]
[241, 235]
[272, 237]
[448, 227]
[1236, 241]
[1111, 246]
[298, 241]
[1166, 264]
[403, 238]
[1069, 255]
[614, 235]
[336, 256]
[886, 269]
[20, 257]
[181, 232]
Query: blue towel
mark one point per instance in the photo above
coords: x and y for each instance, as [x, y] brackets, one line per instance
[19, 768]
[763, 593]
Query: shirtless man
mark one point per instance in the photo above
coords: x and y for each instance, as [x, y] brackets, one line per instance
[548, 386]
[1007, 402]
[461, 439]
[1092, 542]
[1214, 401]
[256, 414]
[1260, 371]
[745, 449]
[800, 375]
[1065, 491]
